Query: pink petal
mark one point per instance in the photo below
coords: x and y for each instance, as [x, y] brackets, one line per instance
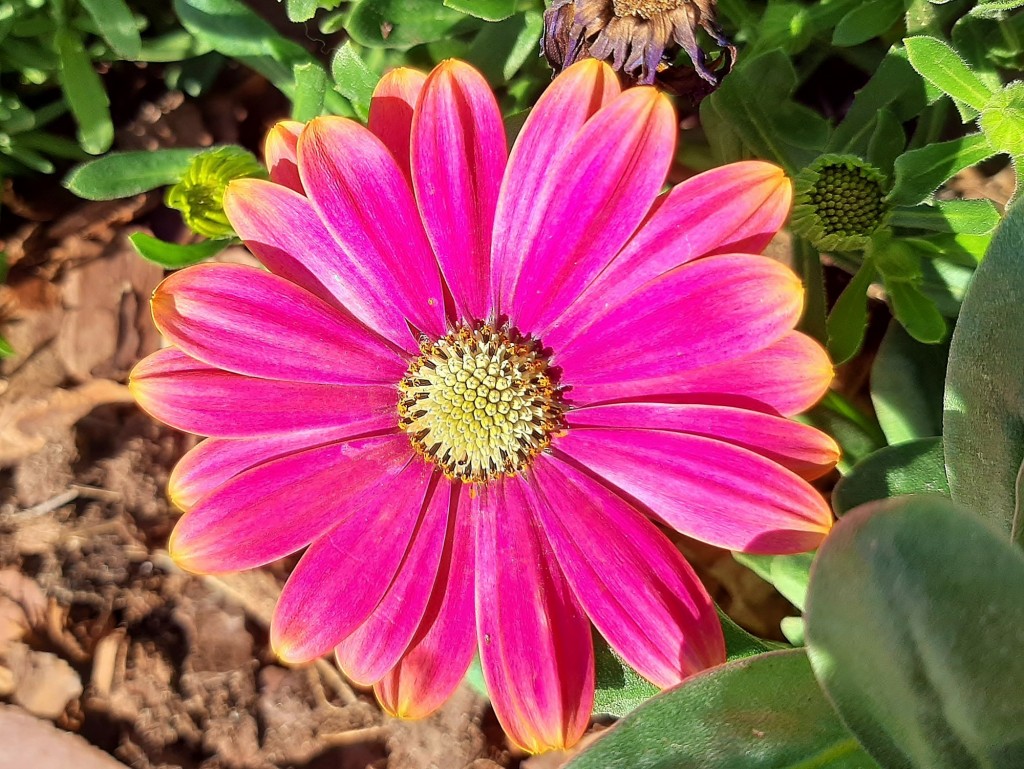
[736, 208]
[634, 585]
[535, 643]
[201, 399]
[702, 313]
[215, 461]
[559, 114]
[247, 321]
[284, 231]
[280, 506]
[720, 494]
[458, 158]
[365, 201]
[439, 655]
[345, 574]
[801, 448]
[597, 195]
[376, 645]
[788, 376]
[280, 156]
[391, 111]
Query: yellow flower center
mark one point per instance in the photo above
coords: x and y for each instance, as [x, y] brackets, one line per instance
[645, 9]
[480, 403]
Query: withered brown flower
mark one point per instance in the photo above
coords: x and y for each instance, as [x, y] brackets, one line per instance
[634, 35]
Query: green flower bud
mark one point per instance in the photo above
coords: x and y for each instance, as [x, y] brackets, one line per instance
[839, 203]
[199, 194]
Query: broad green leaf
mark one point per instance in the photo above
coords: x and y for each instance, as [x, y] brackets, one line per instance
[941, 66]
[353, 78]
[945, 283]
[173, 256]
[84, 92]
[301, 10]
[228, 26]
[122, 174]
[849, 317]
[500, 50]
[402, 24]
[1002, 119]
[488, 10]
[918, 314]
[788, 573]
[979, 41]
[963, 250]
[968, 217]
[914, 619]
[310, 86]
[753, 112]
[922, 171]
[895, 86]
[888, 141]
[116, 24]
[763, 712]
[907, 380]
[856, 432]
[984, 402]
[913, 467]
[869, 20]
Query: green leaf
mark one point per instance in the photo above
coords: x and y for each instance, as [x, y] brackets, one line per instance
[173, 256]
[618, 689]
[913, 620]
[488, 10]
[855, 432]
[228, 26]
[968, 217]
[752, 113]
[1002, 119]
[918, 314]
[922, 171]
[402, 24]
[500, 50]
[116, 24]
[913, 467]
[995, 7]
[849, 317]
[301, 10]
[788, 573]
[942, 66]
[122, 174]
[907, 380]
[888, 140]
[763, 712]
[6, 351]
[868, 20]
[84, 92]
[984, 403]
[310, 86]
[353, 78]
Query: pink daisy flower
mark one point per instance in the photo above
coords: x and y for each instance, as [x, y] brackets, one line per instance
[471, 382]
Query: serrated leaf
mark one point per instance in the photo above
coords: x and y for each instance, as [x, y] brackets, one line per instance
[922, 171]
[984, 401]
[173, 256]
[116, 24]
[940, 65]
[760, 712]
[122, 174]
[913, 467]
[913, 619]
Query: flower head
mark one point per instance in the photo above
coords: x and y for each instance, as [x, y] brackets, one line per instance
[469, 383]
[840, 203]
[199, 194]
[633, 35]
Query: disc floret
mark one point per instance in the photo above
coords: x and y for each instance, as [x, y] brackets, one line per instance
[480, 402]
[840, 203]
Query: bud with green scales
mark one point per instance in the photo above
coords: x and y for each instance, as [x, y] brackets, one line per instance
[199, 194]
[839, 203]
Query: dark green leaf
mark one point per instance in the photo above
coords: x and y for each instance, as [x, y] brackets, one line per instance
[922, 171]
[913, 467]
[173, 256]
[914, 620]
[84, 91]
[984, 404]
[856, 433]
[402, 23]
[117, 25]
[122, 174]
[763, 712]
[907, 380]
[500, 50]
[618, 689]
[849, 316]
[488, 10]
[888, 140]
[870, 19]
[788, 573]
